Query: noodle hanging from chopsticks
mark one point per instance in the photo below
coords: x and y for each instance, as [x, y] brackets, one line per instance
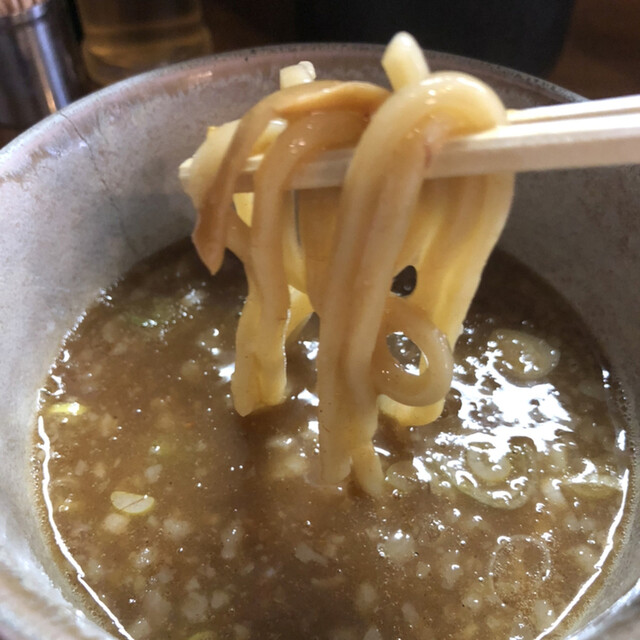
[337, 251]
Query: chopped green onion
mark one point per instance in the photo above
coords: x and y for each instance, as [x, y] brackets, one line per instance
[67, 408]
[203, 635]
[488, 463]
[403, 476]
[149, 314]
[513, 492]
[141, 321]
[594, 486]
[524, 358]
[132, 504]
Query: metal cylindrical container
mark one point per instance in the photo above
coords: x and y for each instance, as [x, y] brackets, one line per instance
[40, 69]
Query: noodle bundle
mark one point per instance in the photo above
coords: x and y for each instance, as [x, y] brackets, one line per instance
[335, 252]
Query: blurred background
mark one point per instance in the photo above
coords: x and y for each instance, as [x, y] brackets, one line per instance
[53, 51]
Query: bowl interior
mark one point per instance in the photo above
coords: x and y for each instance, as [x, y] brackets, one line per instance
[93, 189]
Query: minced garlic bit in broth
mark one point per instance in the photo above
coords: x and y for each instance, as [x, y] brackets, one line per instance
[176, 518]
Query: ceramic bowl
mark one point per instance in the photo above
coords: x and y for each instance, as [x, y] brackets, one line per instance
[93, 189]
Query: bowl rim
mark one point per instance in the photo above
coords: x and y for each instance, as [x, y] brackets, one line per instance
[206, 64]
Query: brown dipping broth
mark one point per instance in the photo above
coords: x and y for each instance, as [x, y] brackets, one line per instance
[500, 519]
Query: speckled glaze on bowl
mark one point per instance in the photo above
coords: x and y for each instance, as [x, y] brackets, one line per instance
[93, 189]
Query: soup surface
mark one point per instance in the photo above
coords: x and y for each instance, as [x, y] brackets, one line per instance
[176, 518]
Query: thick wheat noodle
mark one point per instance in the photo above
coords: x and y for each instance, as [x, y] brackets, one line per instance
[343, 367]
[390, 378]
[401, 114]
[433, 223]
[341, 256]
[468, 215]
[373, 282]
[269, 298]
[292, 253]
[216, 225]
[398, 194]
[215, 211]
[367, 247]
[321, 132]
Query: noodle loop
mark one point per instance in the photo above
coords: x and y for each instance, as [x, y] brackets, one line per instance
[391, 379]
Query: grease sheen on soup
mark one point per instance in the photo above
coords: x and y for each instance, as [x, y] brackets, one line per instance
[175, 518]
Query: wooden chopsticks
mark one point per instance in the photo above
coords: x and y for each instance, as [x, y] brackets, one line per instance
[583, 134]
